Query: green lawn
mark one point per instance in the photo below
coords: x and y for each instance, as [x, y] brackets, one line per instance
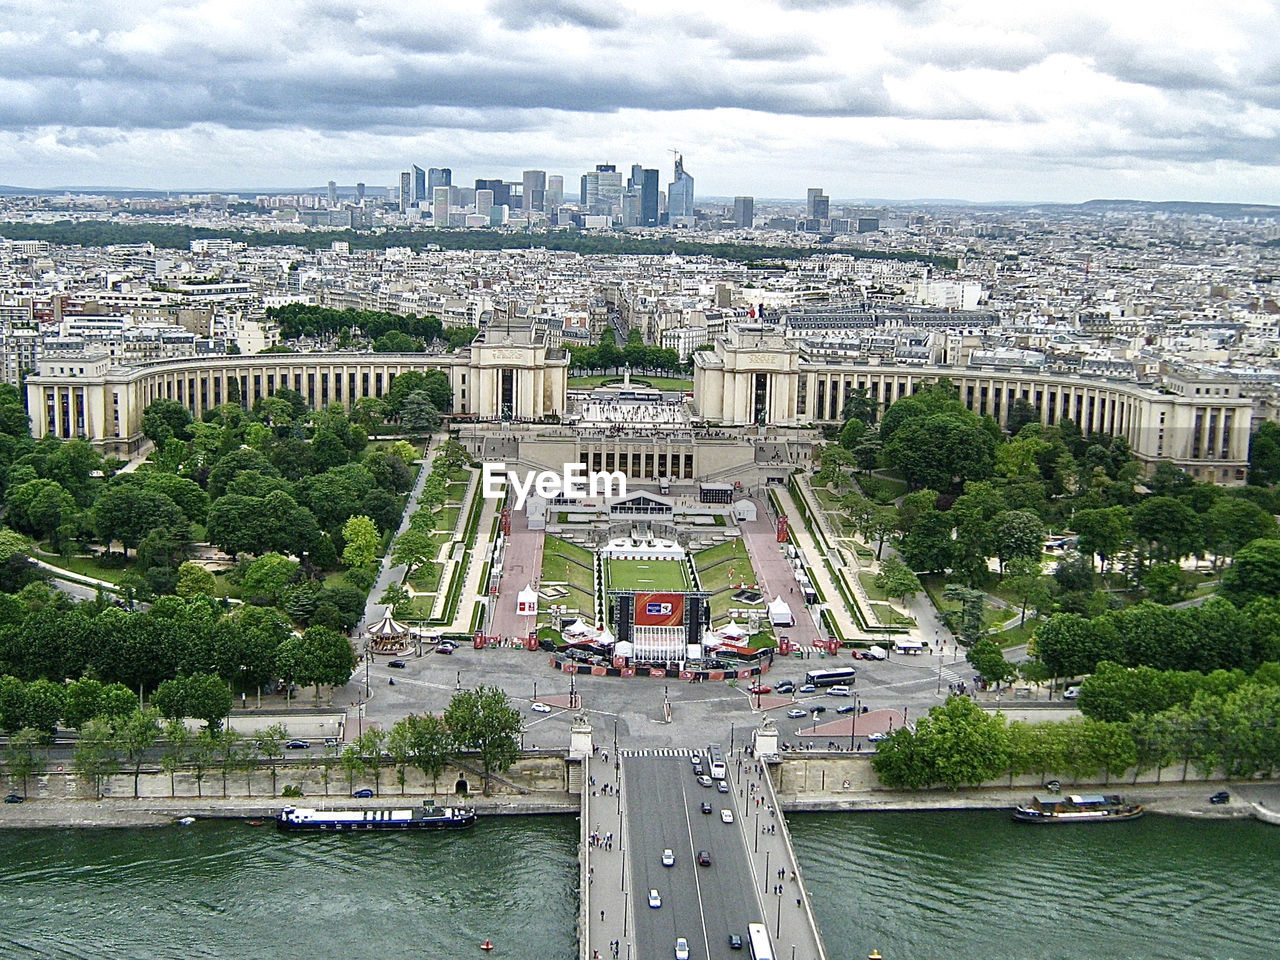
[868, 581]
[85, 566]
[1019, 634]
[891, 617]
[558, 558]
[733, 553]
[658, 383]
[659, 575]
[426, 579]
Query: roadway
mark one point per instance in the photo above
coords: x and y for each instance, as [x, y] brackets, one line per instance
[702, 904]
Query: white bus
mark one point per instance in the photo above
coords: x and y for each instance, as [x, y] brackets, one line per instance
[758, 938]
[715, 760]
[829, 678]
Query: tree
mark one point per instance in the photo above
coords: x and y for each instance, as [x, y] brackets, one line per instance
[1232, 522]
[957, 744]
[419, 414]
[851, 434]
[134, 736]
[268, 576]
[400, 746]
[176, 750]
[202, 696]
[972, 605]
[896, 580]
[1264, 455]
[194, 579]
[941, 450]
[360, 534]
[432, 745]
[43, 705]
[326, 657]
[1164, 583]
[352, 764]
[269, 743]
[369, 744]
[1021, 413]
[483, 720]
[128, 512]
[1255, 572]
[398, 598]
[41, 507]
[1023, 579]
[928, 545]
[94, 758]
[1101, 532]
[186, 494]
[416, 546]
[1168, 527]
[1017, 533]
[1070, 645]
[22, 756]
[164, 419]
[987, 658]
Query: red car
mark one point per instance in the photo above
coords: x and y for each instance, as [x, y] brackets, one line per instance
[759, 688]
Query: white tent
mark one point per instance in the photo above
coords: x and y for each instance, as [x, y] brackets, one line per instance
[624, 648]
[527, 602]
[780, 614]
[606, 637]
[576, 629]
[733, 631]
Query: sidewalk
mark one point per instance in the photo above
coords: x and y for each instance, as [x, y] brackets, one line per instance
[606, 898]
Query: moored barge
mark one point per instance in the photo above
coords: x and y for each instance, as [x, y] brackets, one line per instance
[425, 817]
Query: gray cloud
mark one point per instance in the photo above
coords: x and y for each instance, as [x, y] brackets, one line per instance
[521, 14]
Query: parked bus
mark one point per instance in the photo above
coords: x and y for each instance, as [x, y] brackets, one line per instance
[829, 678]
[758, 938]
[715, 759]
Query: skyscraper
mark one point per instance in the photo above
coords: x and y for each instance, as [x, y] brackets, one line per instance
[555, 192]
[484, 202]
[608, 187]
[406, 190]
[440, 207]
[535, 189]
[333, 194]
[438, 177]
[818, 206]
[637, 176]
[359, 193]
[501, 192]
[680, 192]
[419, 192]
[744, 211]
[648, 198]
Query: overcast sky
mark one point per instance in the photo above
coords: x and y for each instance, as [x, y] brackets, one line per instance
[973, 99]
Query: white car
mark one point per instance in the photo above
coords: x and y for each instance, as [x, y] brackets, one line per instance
[541, 707]
[840, 690]
[1071, 693]
[796, 713]
[726, 816]
[655, 901]
[682, 948]
[696, 759]
[668, 858]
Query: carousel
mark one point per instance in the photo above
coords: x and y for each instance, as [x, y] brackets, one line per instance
[389, 635]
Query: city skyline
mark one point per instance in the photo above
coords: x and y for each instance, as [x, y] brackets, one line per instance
[894, 101]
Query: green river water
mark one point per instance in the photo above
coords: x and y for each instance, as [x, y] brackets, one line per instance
[926, 886]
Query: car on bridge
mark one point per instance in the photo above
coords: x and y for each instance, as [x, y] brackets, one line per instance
[704, 781]
[668, 858]
[541, 707]
[735, 942]
[704, 858]
[726, 816]
[655, 901]
[706, 807]
[682, 948]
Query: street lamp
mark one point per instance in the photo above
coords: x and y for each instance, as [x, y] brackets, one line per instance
[367, 657]
[767, 874]
[778, 932]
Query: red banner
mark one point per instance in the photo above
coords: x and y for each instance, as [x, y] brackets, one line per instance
[531, 643]
[619, 662]
[598, 671]
[782, 528]
[715, 675]
[659, 609]
[655, 672]
[686, 674]
[570, 668]
[628, 671]
[744, 674]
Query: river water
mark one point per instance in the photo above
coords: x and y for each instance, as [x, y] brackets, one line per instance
[918, 886]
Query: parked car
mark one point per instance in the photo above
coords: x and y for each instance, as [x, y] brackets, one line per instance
[706, 807]
[297, 745]
[655, 901]
[364, 793]
[396, 664]
[786, 686]
[877, 737]
[704, 781]
[704, 858]
[1220, 797]
[735, 942]
[726, 816]
[445, 649]
[807, 688]
[846, 708]
[541, 707]
[682, 948]
[759, 688]
[1072, 692]
[722, 786]
[796, 713]
[819, 709]
[14, 798]
[668, 858]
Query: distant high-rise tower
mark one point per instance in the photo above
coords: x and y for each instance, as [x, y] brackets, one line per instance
[637, 176]
[555, 192]
[680, 192]
[501, 192]
[484, 202]
[440, 207]
[608, 187]
[818, 206]
[648, 186]
[438, 177]
[535, 189]
[406, 190]
[359, 193]
[744, 211]
[419, 193]
[333, 194]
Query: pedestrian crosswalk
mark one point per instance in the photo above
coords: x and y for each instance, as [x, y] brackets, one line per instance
[659, 752]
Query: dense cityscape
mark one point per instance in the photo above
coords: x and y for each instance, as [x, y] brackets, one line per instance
[545, 480]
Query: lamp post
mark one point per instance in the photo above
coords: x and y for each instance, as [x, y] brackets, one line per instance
[367, 657]
[757, 849]
[535, 691]
[767, 874]
[778, 932]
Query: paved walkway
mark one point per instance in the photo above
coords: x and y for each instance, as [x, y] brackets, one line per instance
[521, 567]
[472, 587]
[389, 574]
[834, 598]
[605, 898]
[775, 576]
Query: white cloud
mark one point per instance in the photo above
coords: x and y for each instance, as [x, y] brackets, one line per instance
[998, 99]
